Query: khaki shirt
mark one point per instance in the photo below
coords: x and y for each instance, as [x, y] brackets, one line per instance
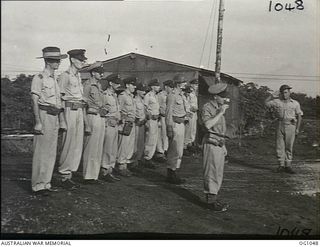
[210, 110]
[193, 100]
[151, 103]
[176, 106]
[127, 106]
[70, 86]
[140, 108]
[93, 94]
[285, 110]
[162, 99]
[46, 87]
[111, 103]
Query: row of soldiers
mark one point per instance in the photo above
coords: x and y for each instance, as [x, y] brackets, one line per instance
[106, 130]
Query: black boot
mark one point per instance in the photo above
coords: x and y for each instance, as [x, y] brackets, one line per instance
[178, 180]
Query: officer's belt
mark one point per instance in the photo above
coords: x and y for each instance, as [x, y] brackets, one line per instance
[154, 117]
[178, 119]
[288, 121]
[52, 110]
[140, 122]
[75, 105]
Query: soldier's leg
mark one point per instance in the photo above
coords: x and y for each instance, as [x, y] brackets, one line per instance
[92, 150]
[289, 141]
[280, 145]
[151, 139]
[110, 149]
[194, 127]
[44, 156]
[72, 143]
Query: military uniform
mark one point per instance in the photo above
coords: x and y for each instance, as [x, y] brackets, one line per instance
[175, 119]
[72, 140]
[126, 142]
[162, 144]
[110, 147]
[286, 126]
[93, 143]
[45, 146]
[152, 108]
[214, 150]
[44, 85]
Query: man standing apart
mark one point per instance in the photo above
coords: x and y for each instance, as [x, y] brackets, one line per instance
[47, 110]
[127, 128]
[191, 128]
[153, 111]
[140, 124]
[112, 118]
[214, 150]
[93, 144]
[162, 144]
[289, 116]
[175, 120]
[74, 112]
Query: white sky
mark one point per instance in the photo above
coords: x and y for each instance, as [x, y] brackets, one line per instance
[255, 41]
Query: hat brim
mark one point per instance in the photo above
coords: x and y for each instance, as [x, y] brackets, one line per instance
[62, 56]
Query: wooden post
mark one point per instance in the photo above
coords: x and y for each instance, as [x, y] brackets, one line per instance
[219, 42]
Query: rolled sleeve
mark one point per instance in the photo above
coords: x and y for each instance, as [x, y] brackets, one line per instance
[36, 85]
[207, 113]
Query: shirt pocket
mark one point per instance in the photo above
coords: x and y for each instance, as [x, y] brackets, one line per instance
[179, 101]
[74, 86]
[48, 89]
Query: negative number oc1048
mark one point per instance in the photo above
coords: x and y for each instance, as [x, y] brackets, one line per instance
[286, 6]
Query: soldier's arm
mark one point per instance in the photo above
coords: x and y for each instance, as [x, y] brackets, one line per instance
[299, 114]
[146, 104]
[170, 103]
[36, 87]
[62, 82]
[121, 100]
[207, 118]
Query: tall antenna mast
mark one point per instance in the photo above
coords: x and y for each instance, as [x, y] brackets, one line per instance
[219, 42]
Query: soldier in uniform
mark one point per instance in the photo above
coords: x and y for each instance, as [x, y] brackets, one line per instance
[214, 150]
[175, 120]
[289, 116]
[93, 143]
[127, 128]
[162, 144]
[191, 128]
[140, 123]
[112, 119]
[47, 109]
[153, 111]
[74, 105]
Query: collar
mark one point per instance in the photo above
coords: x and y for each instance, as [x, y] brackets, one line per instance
[47, 73]
[72, 72]
[214, 104]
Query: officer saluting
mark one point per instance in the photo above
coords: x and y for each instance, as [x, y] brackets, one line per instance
[74, 112]
[214, 150]
[93, 143]
[175, 119]
[289, 116]
[47, 107]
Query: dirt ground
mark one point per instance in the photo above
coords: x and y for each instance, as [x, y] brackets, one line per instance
[262, 202]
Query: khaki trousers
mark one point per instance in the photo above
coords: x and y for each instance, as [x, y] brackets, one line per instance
[110, 147]
[151, 139]
[162, 144]
[126, 148]
[72, 143]
[191, 129]
[213, 165]
[285, 136]
[139, 143]
[44, 152]
[93, 145]
[175, 149]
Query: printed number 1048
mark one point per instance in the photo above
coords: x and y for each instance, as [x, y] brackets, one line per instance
[287, 6]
